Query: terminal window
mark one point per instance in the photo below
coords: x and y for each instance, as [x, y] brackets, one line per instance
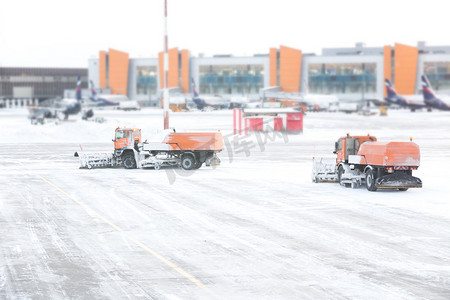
[231, 79]
[438, 73]
[146, 80]
[344, 78]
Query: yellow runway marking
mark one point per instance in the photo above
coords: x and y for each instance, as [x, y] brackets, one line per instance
[82, 204]
[172, 265]
[152, 252]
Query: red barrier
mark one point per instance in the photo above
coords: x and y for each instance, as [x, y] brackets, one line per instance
[294, 122]
[255, 124]
[237, 121]
[278, 124]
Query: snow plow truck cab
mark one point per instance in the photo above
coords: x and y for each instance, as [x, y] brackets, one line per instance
[125, 141]
[349, 145]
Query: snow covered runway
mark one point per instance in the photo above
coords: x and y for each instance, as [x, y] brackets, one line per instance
[254, 228]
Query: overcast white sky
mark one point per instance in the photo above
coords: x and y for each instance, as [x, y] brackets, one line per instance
[66, 33]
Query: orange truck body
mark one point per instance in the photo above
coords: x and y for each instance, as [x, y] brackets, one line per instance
[389, 154]
[195, 141]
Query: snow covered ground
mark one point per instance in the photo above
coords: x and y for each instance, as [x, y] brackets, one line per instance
[255, 227]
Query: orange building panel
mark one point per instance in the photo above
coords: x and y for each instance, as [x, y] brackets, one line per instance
[174, 75]
[102, 69]
[273, 67]
[185, 71]
[173, 72]
[405, 68]
[118, 71]
[290, 68]
[387, 66]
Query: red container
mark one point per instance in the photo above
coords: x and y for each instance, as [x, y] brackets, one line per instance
[294, 122]
[278, 124]
[255, 124]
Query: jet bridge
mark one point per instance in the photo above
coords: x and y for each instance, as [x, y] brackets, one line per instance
[275, 92]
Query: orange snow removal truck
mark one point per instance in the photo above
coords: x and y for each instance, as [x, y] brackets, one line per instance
[362, 159]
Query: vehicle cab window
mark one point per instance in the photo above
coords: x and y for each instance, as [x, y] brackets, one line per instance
[120, 135]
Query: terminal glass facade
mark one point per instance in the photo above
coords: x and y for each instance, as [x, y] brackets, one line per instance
[343, 78]
[231, 79]
[438, 74]
[146, 80]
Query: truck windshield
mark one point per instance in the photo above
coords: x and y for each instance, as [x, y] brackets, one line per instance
[120, 135]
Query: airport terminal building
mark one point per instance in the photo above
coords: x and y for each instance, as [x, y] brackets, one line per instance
[350, 73]
[142, 78]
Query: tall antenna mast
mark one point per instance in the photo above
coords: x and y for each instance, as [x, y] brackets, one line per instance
[166, 70]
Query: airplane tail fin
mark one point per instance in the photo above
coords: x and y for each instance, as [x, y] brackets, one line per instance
[194, 91]
[78, 89]
[391, 92]
[428, 93]
[93, 91]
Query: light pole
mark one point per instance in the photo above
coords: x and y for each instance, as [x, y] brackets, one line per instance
[166, 71]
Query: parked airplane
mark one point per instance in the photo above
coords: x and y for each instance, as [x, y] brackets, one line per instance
[323, 102]
[215, 102]
[104, 100]
[432, 99]
[313, 102]
[239, 101]
[411, 101]
[52, 109]
[318, 101]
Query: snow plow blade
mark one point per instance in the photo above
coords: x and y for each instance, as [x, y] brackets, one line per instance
[214, 161]
[324, 170]
[398, 181]
[96, 160]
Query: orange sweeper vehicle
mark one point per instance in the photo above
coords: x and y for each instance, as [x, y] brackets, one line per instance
[188, 150]
[364, 160]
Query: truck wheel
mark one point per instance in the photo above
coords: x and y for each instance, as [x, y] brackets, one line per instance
[198, 164]
[340, 172]
[128, 161]
[188, 162]
[370, 181]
